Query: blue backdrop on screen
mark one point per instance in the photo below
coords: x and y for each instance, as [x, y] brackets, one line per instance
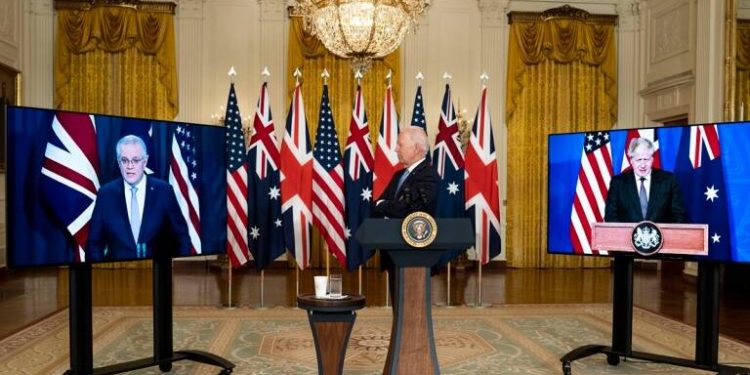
[37, 237]
[565, 159]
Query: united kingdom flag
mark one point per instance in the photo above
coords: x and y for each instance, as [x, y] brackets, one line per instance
[296, 181]
[482, 193]
[386, 159]
[69, 175]
[448, 161]
[358, 164]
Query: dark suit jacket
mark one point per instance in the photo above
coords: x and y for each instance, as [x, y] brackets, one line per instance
[163, 227]
[418, 193]
[665, 204]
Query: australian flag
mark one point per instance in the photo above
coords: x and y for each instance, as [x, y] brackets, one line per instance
[448, 161]
[358, 166]
[266, 234]
[701, 175]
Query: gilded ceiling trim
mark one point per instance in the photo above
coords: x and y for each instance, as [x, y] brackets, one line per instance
[150, 6]
[563, 12]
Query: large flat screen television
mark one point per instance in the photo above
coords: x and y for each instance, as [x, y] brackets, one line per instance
[68, 201]
[711, 163]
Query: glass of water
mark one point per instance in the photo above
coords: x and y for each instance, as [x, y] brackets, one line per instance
[335, 285]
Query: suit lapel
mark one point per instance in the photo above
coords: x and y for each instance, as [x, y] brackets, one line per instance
[633, 198]
[654, 192]
[123, 208]
[409, 178]
[148, 206]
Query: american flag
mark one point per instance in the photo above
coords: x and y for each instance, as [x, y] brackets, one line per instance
[264, 191]
[296, 181]
[69, 175]
[649, 134]
[701, 174]
[482, 191]
[594, 176]
[418, 118]
[448, 161]
[237, 247]
[358, 160]
[386, 159]
[183, 176]
[328, 183]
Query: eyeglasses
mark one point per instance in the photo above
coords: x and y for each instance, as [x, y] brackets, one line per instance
[133, 161]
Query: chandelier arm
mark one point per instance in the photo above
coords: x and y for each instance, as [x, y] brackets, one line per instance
[341, 29]
[370, 40]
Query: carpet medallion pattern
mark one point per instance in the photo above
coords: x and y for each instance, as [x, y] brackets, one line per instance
[512, 339]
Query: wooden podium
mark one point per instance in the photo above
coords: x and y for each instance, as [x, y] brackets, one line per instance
[678, 240]
[412, 346]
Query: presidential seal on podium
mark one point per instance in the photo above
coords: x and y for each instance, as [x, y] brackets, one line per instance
[419, 229]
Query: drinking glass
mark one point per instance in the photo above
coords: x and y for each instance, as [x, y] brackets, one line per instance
[335, 285]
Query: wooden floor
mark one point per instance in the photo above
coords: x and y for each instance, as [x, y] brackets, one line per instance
[28, 295]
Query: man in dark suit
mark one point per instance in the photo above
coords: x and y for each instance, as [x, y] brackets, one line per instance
[413, 188]
[136, 214]
[644, 193]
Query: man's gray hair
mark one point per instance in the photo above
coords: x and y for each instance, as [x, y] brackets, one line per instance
[130, 139]
[418, 136]
[638, 142]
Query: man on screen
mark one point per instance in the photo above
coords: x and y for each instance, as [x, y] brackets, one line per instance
[644, 193]
[136, 213]
[413, 188]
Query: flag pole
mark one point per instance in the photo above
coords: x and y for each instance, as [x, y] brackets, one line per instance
[297, 280]
[448, 293]
[359, 279]
[479, 282]
[229, 285]
[328, 260]
[262, 287]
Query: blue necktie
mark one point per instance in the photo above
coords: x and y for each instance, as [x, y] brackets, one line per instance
[643, 198]
[401, 180]
[135, 217]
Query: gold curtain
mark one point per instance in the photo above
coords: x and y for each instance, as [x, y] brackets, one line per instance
[742, 80]
[116, 60]
[308, 54]
[562, 77]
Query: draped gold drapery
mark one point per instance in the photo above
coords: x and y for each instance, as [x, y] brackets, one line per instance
[308, 54]
[116, 60]
[742, 80]
[562, 77]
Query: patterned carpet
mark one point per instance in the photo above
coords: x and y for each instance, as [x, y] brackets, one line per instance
[511, 339]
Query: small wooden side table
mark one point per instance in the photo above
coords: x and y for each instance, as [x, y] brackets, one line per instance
[331, 321]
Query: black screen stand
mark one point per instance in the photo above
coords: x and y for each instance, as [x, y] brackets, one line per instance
[706, 334]
[81, 331]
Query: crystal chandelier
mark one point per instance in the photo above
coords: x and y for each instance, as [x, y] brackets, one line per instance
[360, 30]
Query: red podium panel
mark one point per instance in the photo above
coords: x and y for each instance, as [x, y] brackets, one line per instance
[679, 239]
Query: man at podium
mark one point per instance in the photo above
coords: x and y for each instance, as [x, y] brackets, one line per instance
[644, 193]
[413, 188]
